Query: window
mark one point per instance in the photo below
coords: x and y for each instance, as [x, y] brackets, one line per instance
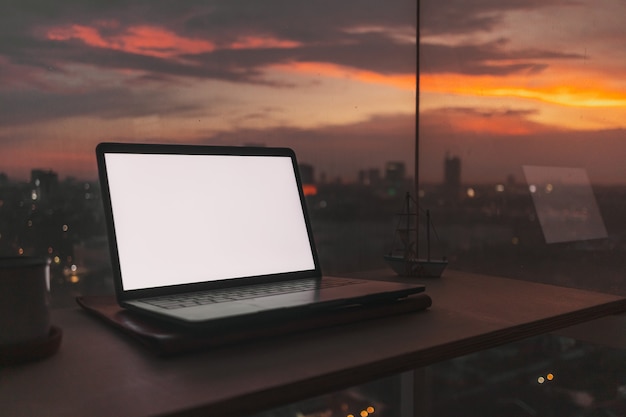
[333, 80]
[521, 147]
[521, 138]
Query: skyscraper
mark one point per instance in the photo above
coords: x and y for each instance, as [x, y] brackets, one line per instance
[395, 171]
[452, 177]
[452, 172]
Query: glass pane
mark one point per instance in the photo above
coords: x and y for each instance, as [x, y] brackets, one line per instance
[521, 138]
[333, 80]
[381, 398]
[542, 376]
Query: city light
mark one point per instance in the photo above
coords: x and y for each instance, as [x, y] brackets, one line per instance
[471, 193]
[533, 188]
[548, 377]
[364, 413]
[500, 188]
[549, 188]
[309, 189]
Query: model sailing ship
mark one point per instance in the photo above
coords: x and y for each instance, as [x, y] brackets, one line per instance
[405, 260]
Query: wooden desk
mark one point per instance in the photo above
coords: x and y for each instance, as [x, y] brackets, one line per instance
[99, 372]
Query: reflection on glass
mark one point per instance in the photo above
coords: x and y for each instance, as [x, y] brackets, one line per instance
[565, 204]
[502, 87]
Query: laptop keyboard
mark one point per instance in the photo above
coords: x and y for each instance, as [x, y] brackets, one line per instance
[245, 292]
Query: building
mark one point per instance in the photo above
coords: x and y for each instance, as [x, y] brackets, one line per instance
[307, 173]
[370, 177]
[44, 184]
[452, 172]
[395, 172]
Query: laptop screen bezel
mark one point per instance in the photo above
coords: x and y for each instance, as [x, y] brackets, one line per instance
[123, 294]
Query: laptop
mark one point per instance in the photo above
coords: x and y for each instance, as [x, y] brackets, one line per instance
[217, 235]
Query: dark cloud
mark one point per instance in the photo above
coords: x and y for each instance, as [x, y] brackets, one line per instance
[493, 58]
[469, 16]
[354, 146]
[29, 106]
[487, 113]
[325, 31]
[305, 21]
[321, 26]
[377, 54]
[462, 17]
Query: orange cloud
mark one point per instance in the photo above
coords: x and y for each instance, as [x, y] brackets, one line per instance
[88, 35]
[263, 43]
[400, 81]
[154, 41]
[144, 40]
[563, 88]
[487, 121]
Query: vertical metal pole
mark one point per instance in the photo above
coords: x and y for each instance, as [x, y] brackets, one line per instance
[422, 388]
[417, 112]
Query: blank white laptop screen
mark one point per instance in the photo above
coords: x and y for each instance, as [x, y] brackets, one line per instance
[183, 219]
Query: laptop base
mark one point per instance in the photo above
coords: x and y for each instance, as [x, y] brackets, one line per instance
[164, 339]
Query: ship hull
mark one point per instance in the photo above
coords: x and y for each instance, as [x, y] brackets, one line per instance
[416, 267]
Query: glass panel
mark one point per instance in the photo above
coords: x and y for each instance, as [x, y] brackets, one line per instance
[542, 376]
[381, 398]
[333, 80]
[521, 138]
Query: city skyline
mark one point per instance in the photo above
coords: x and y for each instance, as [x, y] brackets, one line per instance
[502, 84]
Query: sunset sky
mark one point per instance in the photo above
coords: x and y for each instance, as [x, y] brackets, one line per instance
[524, 82]
[503, 83]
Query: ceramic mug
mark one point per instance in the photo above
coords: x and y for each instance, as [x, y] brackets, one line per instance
[24, 299]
